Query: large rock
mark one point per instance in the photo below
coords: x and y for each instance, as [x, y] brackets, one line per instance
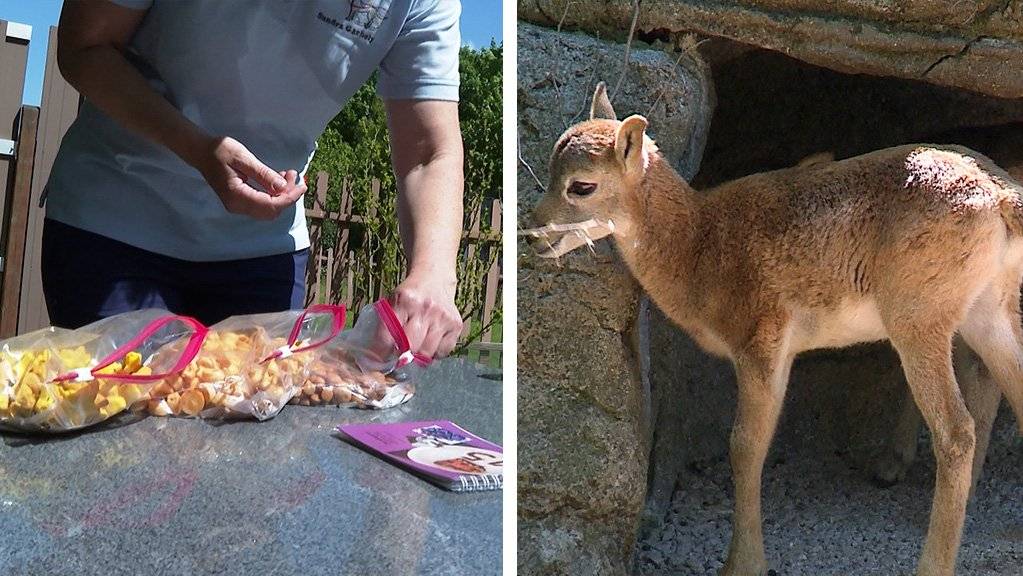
[581, 436]
[973, 44]
[773, 111]
[584, 420]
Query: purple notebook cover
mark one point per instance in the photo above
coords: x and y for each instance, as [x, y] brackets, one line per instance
[446, 445]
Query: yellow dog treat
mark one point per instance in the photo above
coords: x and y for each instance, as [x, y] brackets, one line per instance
[26, 393]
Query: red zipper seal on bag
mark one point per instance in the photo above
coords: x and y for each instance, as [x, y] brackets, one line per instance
[188, 354]
[337, 324]
[393, 325]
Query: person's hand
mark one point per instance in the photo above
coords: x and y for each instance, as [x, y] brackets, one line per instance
[425, 305]
[228, 167]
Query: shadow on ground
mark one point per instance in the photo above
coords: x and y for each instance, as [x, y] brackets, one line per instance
[824, 518]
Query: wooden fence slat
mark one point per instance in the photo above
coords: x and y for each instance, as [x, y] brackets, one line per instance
[323, 281]
[60, 106]
[488, 346]
[370, 272]
[474, 232]
[328, 283]
[493, 275]
[13, 61]
[342, 241]
[349, 300]
[321, 190]
[470, 251]
[493, 278]
[18, 208]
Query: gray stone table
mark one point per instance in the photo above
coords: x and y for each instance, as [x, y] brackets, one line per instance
[286, 496]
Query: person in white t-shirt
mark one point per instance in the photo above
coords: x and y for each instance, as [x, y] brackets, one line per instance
[179, 185]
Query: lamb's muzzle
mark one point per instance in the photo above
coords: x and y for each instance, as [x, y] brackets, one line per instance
[556, 240]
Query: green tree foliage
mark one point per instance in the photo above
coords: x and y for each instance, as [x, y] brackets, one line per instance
[354, 148]
[480, 113]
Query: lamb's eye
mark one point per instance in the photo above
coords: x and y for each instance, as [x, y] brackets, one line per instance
[582, 188]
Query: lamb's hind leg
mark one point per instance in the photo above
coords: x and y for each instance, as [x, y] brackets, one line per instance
[993, 331]
[900, 451]
[982, 397]
[762, 377]
[926, 354]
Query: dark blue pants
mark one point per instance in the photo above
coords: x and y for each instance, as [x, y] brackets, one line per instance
[87, 277]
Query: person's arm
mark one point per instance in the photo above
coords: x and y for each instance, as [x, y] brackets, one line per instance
[426, 152]
[90, 53]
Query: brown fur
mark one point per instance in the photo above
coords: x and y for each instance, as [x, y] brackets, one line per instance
[911, 244]
[1004, 145]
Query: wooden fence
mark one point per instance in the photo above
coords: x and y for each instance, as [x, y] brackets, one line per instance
[29, 139]
[338, 276]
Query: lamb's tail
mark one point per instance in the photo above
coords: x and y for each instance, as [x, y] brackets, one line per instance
[1011, 206]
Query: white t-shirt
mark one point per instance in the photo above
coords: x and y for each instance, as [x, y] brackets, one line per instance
[268, 73]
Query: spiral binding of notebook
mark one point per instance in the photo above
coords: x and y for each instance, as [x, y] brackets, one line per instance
[472, 483]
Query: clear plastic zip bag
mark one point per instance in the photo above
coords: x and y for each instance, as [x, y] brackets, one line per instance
[58, 380]
[369, 366]
[249, 366]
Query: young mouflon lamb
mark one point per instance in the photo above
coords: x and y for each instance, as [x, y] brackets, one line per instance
[916, 244]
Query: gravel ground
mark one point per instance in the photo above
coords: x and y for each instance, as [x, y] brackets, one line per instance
[823, 518]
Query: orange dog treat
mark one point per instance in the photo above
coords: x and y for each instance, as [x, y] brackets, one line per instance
[191, 402]
[228, 375]
[336, 379]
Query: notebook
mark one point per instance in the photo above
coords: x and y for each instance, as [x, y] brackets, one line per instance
[437, 450]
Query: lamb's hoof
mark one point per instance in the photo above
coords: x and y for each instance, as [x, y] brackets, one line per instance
[890, 469]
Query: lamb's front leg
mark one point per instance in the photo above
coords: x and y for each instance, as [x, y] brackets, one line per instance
[762, 377]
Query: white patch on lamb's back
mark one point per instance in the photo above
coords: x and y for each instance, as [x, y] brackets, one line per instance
[851, 323]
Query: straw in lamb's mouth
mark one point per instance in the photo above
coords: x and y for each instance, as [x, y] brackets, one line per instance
[571, 236]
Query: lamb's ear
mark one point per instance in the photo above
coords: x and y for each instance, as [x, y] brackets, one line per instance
[629, 144]
[601, 106]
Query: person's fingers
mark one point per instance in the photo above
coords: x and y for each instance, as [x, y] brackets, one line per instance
[450, 324]
[250, 166]
[243, 199]
[448, 342]
[402, 304]
[292, 193]
[431, 341]
[433, 328]
[284, 174]
[239, 172]
[409, 307]
[416, 331]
